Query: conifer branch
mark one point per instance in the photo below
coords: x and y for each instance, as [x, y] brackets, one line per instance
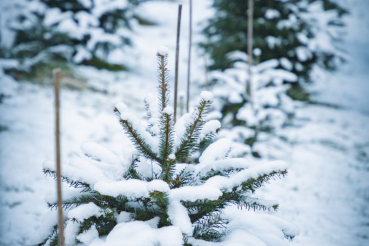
[166, 121]
[133, 174]
[167, 133]
[207, 140]
[75, 201]
[163, 82]
[148, 117]
[183, 178]
[53, 238]
[189, 139]
[76, 184]
[225, 173]
[253, 184]
[257, 204]
[104, 223]
[210, 227]
[166, 146]
[137, 139]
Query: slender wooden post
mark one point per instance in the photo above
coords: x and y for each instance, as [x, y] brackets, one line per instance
[177, 58]
[189, 61]
[57, 76]
[206, 74]
[249, 48]
[0, 30]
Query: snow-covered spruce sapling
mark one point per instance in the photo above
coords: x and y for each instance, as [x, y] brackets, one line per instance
[152, 197]
[271, 108]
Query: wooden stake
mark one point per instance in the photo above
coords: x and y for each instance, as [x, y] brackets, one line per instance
[206, 74]
[177, 58]
[57, 76]
[189, 61]
[249, 48]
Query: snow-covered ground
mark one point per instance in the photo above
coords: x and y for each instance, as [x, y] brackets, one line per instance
[326, 193]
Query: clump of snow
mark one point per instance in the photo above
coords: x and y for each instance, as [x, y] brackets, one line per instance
[272, 14]
[168, 110]
[99, 153]
[193, 193]
[121, 107]
[179, 217]
[131, 233]
[240, 177]
[257, 52]
[286, 63]
[303, 54]
[158, 185]
[172, 156]
[210, 127]
[180, 128]
[88, 236]
[237, 133]
[132, 188]
[163, 50]
[71, 232]
[206, 95]
[216, 151]
[123, 217]
[85, 211]
[47, 225]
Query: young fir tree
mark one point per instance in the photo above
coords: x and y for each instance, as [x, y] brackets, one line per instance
[90, 32]
[294, 37]
[301, 32]
[270, 109]
[153, 197]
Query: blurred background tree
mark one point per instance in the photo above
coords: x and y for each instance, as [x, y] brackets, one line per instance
[290, 39]
[89, 32]
[290, 30]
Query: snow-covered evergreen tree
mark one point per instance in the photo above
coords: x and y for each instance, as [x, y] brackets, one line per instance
[290, 38]
[90, 32]
[153, 197]
[270, 107]
[302, 33]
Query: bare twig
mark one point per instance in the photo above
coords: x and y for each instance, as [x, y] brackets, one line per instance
[249, 48]
[57, 76]
[189, 61]
[177, 58]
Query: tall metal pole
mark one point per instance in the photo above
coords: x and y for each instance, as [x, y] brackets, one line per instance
[57, 76]
[177, 58]
[189, 61]
[249, 48]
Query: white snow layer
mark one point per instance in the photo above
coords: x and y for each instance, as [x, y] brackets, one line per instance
[85, 211]
[168, 110]
[210, 127]
[216, 151]
[138, 233]
[99, 153]
[206, 95]
[163, 50]
[131, 188]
